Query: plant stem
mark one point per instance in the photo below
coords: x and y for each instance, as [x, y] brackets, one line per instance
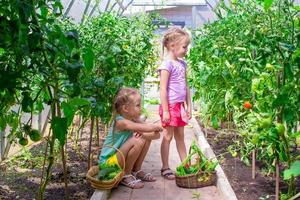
[90, 142]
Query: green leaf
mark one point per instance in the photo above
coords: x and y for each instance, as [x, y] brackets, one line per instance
[115, 49]
[295, 135]
[27, 102]
[228, 97]
[60, 129]
[295, 55]
[267, 4]
[79, 102]
[69, 112]
[2, 51]
[89, 58]
[281, 100]
[294, 170]
[44, 11]
[214, 122]
[297, 8]
[2, 123]
[70, 108]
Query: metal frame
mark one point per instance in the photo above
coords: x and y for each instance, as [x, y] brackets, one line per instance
[166, 3]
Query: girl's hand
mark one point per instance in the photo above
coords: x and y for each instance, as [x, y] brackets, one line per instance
[189, 112]
[157, 128]
[137, 134]
[166, 116]
[156, 135]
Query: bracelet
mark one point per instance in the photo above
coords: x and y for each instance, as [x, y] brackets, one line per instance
[166, 112]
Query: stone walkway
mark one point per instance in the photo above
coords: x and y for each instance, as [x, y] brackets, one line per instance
[163, 189]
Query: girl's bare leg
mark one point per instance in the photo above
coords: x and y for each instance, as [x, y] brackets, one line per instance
[138, 164]
[165, 146]
[131, 150]
[179, 138]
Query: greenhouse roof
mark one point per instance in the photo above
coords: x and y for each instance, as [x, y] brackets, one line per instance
[149, 5]
[168, 3]
[76, 9]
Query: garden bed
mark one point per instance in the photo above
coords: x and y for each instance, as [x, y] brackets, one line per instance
[238, 174]
[20, 177]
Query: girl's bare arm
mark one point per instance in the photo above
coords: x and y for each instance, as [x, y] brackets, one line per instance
[164, 78]
[126, 124]
[188, 100]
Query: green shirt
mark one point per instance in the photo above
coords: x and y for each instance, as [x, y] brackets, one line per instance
[115, 139]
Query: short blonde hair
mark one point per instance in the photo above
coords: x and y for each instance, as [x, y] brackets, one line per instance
[172, 35]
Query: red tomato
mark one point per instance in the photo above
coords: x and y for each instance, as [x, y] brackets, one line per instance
[247, 105]
[187, 165]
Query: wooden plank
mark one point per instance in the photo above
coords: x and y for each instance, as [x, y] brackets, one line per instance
[121, 192]
[100, 195]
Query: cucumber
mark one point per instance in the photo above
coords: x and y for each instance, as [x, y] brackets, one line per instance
[112, 175]
[104, 172]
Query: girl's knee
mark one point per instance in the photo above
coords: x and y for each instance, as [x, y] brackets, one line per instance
[179, 137]
[168, 138]
[139, 142]
[151, 136]
[168, 134]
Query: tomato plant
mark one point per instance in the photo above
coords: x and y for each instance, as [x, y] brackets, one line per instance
[70, 68]
[252, 52]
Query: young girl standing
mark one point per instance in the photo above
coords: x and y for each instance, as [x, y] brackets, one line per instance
[131, 136]
[174, 95]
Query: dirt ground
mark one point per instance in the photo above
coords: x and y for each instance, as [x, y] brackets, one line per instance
[20, 177]
[238, 174]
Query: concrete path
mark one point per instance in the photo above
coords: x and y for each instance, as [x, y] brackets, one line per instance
[163, 189]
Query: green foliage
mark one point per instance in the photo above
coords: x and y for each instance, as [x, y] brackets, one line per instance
[60, 128]
[252, 54]
[71, 68]
[37, 60]
[152, 101]
[229, 60]
[266, 3]
[293, 171]
[26, 159]
[117, 51]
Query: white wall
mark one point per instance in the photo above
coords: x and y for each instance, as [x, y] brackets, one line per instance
[180, 14]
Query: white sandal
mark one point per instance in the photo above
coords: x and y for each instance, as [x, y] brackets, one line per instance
[147, 176]
[134, 183]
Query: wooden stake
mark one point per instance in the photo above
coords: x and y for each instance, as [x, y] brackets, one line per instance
[90, 142]
[253, 164]
[97, 132]
[277, 180]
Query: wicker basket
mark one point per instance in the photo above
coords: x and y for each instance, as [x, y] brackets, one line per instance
[195, 180]
[104, 184]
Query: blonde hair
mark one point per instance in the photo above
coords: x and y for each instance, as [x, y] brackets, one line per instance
[123, 97]
[172, 35]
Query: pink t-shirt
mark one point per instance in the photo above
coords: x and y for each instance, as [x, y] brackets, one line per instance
[176, 88]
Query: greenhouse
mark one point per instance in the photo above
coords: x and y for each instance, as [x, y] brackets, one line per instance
[150, 99]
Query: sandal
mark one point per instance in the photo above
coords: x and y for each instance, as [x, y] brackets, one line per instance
[148, 177]
[167, 174]
[131, 182]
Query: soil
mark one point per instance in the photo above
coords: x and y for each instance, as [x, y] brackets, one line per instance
[239, 174]
[20, 176]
